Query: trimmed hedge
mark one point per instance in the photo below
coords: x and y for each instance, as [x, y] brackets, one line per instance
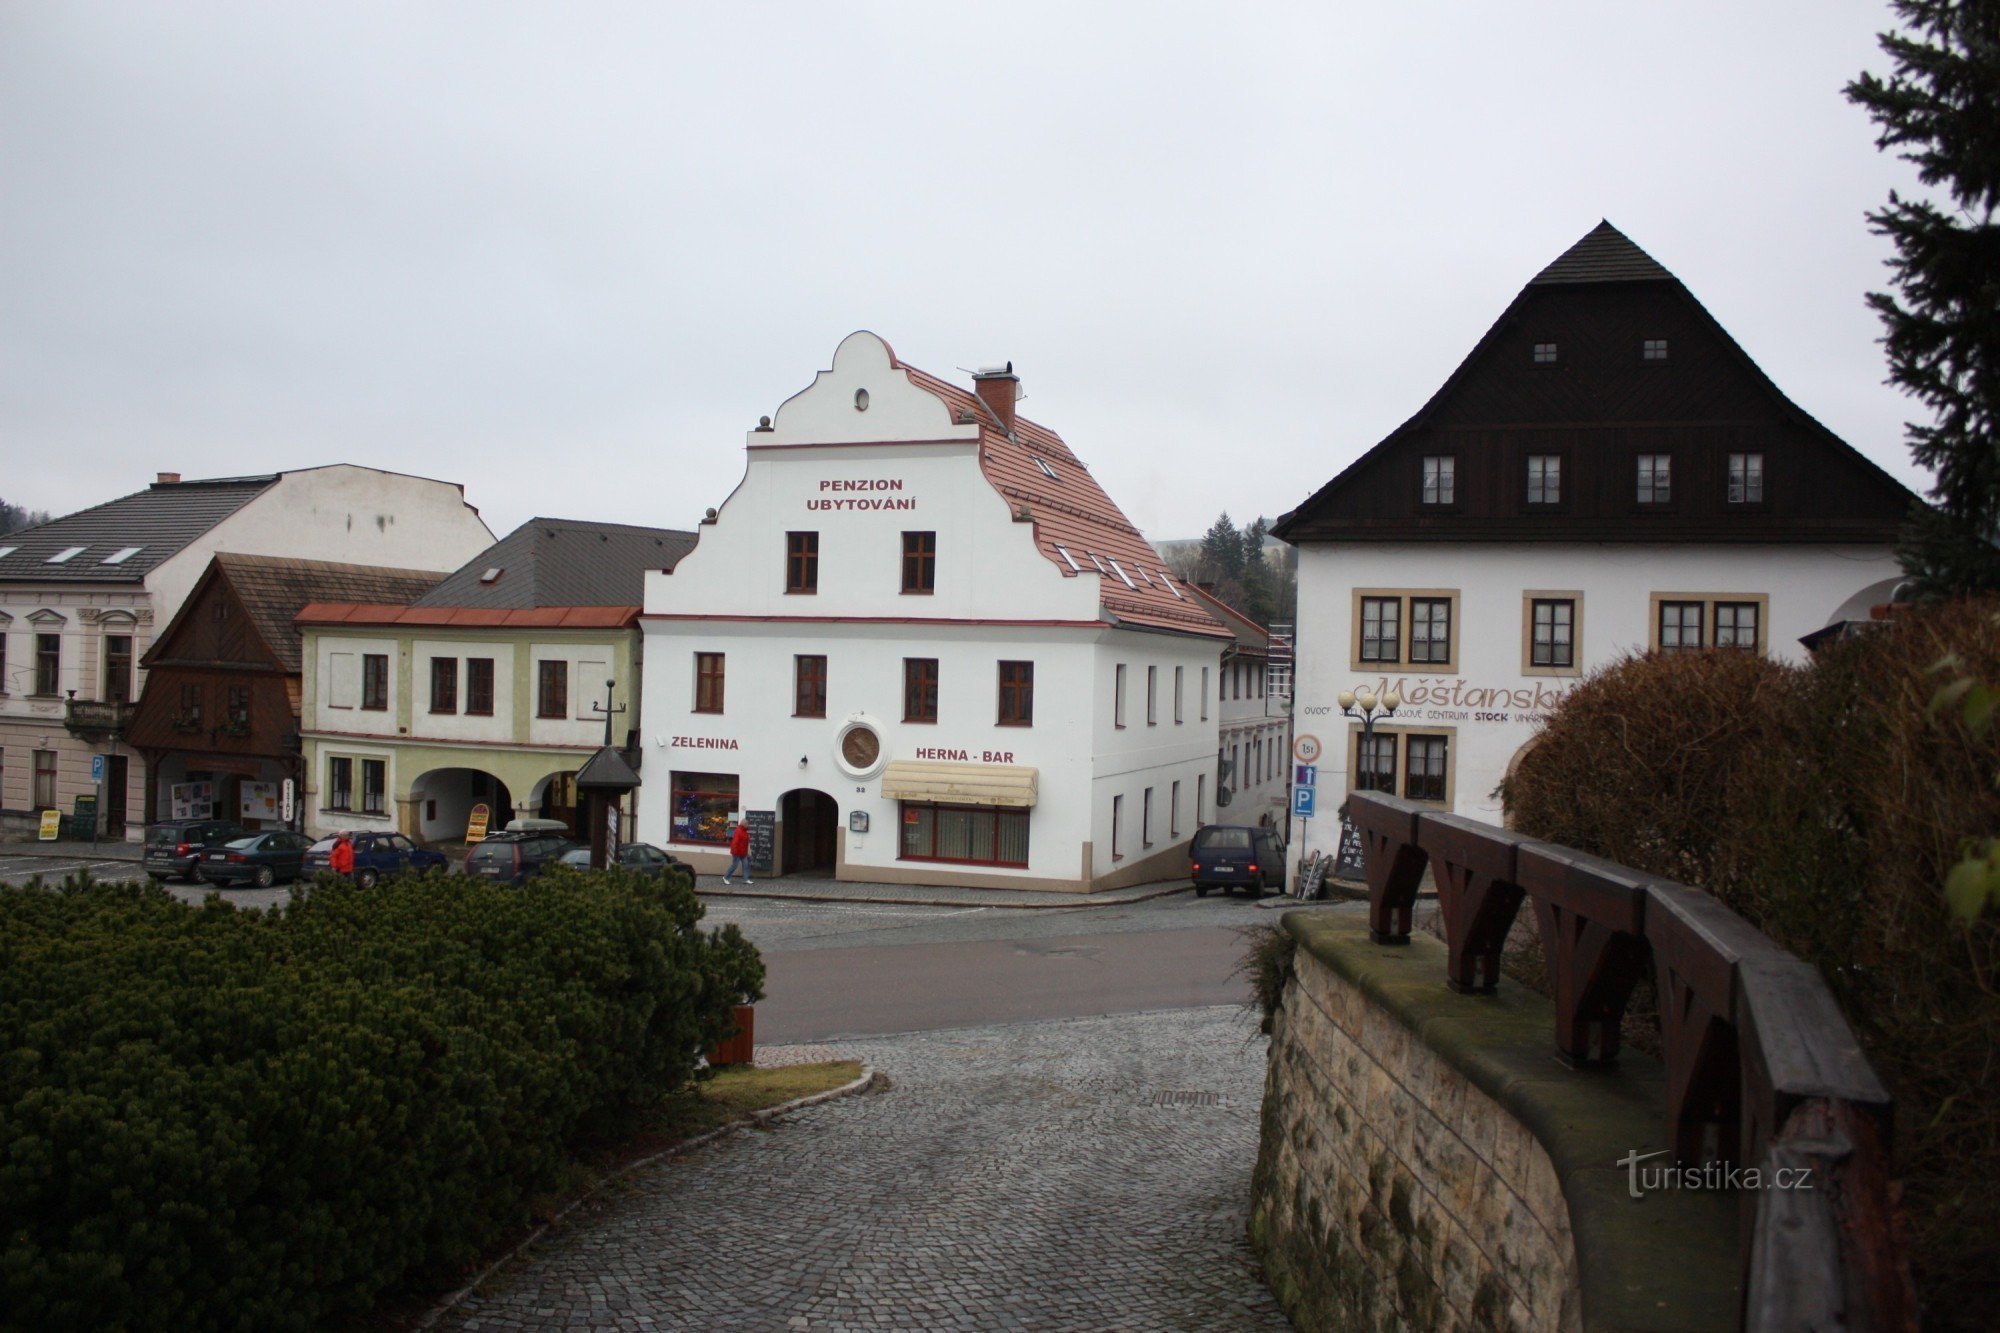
[1827, 803]
[221, 1119]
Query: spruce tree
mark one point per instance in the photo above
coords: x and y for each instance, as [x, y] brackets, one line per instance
[1941, 110]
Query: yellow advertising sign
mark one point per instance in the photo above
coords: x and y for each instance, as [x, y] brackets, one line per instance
[51, 825]
[475, 828]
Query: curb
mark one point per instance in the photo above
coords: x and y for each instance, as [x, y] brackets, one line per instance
[87, 854]
[451, 1301]
[935, 902]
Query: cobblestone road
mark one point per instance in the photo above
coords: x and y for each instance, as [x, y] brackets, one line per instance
[1080, 1174]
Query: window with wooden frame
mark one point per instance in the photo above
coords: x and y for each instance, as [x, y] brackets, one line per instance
[552, 688]
[1544, 354]
[118, 668]
[1375, 770]
[1736, 625]
[44, 795]
[189, 718]
[1550, 625]
[1414, 762]
[1381, 629]
[238, 702]
[374, 682]
[1656, 479]
[1545, 479]
[1653, 349]
[802, 562]
[1430, 629]
[1440, 479]
[1118, 696]
[1177, 694]
[963, 835]
[444, 684]
[1146, 818]
[1414, 625]
[339, 783]
[1017, 694]
[919, 562]
[1152, 696]
[48, 664]
[708, 682]
[374, 779]
[920, 689]
[1117, 819]
[1678, 626]
[809, 685]
[479, 687]
[1746, 479]
[1427, 760]
[1685, 621]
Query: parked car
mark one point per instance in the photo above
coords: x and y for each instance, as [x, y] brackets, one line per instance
[1236, 856]
[175, 846]
[641, 857]
[376, 855]
[261, 859]
[517, 855]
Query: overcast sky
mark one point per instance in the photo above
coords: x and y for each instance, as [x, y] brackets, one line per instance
[567, 254]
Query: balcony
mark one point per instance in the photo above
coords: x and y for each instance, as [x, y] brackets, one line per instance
[98, 719]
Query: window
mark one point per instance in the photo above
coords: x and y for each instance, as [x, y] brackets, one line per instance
[239, 707]
[1376, 771]
[1545, 479]
[64, 556]
[1552, 632]
[1680, 626]
[1146, 818]
[920, 689]
[1736, 626]
[444, 684]
[1200, 799]
[1204, 694]
[919, 562]
[1746, 479]
[48, 663]
[1117, 818]
[45, 780]
[121, 555]
[1047, 471]
[968, 835]
[708, 682]
[1177, 694]
[1440, 479]
[1381, 630]
[1655, 478]
[1174, 811]
[1425, 780]
[802, 562]
[809, 685]
[1017, 694]
[704, 806]
[374, 777]
[374, 682]
[1430, 629]
[1653, 349]
[118, 668]
[190, 717]
[340, 784]
[3, 656]
[1118, 696]
[551, 688]
[479, 687]
[1152, 696]
[1545, 354]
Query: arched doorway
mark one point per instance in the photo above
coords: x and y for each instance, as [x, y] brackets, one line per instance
[808, 829]
[444, 798]
[554, 797]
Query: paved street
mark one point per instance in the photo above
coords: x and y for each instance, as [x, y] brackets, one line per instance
[1081, 1174]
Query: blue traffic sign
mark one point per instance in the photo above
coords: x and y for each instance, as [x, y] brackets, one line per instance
[97, 768]
[1302, 801]
[1308, 776]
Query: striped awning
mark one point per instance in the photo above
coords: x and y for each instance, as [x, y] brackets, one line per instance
[960, 784]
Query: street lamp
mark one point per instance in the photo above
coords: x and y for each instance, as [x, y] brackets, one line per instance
[1363, 704]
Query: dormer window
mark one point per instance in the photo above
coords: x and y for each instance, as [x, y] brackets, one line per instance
[1545, 354]
[1746, 479]
[1655, 478]
[1440, 479]
[491, 574]
[1653, 349]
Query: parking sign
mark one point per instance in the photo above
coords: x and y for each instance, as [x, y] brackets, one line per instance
[97, 768]
[1302, 801]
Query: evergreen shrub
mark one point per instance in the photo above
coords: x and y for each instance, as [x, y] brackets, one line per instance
[1826, 803]
[222, 1119]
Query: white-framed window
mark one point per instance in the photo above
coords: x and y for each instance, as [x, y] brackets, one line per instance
[1118, 696]
[1440, 479]
[1656, 478]
[1746, 479]
[1545, 479]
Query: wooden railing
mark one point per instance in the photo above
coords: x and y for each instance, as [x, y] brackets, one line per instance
[1762, 1068]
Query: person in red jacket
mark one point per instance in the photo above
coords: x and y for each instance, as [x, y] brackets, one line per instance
[341, 859]
[739, 853]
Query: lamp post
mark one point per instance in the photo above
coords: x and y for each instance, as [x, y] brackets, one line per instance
[1363, 704]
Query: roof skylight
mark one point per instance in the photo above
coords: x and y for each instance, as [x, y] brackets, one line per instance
[1168, 579]
[1047, 471]
[1062, 551]
[121, 555]
[69, 553]
[492, 574]
[6, 551]
[1095, 561]
[1120, 569]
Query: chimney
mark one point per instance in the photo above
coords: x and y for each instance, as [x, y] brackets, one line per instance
[998, 387]
[169, 479]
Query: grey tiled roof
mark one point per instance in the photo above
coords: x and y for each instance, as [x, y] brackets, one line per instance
[562, 562]
[1604, 255]
[159, 520]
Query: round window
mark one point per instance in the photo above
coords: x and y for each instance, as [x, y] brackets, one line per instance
[861, 400]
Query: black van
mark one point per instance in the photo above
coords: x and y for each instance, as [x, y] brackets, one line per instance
[176, 846]
[1236, 856]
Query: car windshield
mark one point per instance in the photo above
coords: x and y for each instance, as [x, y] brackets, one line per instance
[488, 852]
[163, 835]
[578, 857]
[1223, 840]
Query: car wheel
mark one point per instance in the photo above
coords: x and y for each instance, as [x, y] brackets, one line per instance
[265, 877]
[367, 879]
[1201, 890]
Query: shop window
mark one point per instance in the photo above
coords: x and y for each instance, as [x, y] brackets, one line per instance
[809, 685]
[708, 682]
[704, 806]
[479, 687]
[1017, 694]
[964, 835]
[374, 681]
[802, 562]
[920, 689]
[551, 688]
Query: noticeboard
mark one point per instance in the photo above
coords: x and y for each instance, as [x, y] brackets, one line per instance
[83, 821]
[763, 826]
[1347, 863]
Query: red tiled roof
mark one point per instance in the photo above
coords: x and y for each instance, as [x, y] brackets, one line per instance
[1072, 511]
[546, 617]
[1251, 637]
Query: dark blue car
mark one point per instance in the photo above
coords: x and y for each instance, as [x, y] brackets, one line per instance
[260, 858]
[376, 857]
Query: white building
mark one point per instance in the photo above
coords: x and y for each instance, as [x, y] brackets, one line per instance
[82, 597]
[1607, 473]
[1252, 747]
[922, 644]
